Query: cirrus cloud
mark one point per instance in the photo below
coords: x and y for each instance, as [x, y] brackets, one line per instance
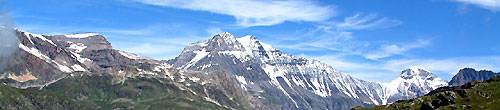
[255, 12]
[493, 5]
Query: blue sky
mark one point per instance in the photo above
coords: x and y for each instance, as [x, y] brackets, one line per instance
[370, 40]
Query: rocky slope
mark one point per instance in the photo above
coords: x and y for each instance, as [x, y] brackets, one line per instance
[473, 95]
[469, 74]
[42, 60]
[279, 80]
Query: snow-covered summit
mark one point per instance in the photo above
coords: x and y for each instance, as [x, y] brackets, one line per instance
[418, 68]
[412, 82]
[226, 35]
[414, 71]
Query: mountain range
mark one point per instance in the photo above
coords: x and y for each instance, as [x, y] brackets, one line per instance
[223, 72]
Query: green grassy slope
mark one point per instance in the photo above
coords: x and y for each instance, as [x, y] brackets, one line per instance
[98, 92]
[22, 99]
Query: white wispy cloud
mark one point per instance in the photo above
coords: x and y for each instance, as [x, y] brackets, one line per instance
[493, 5]
[255, 12]
[213, 30]
[338, 36]
[448, 65]
[370, 21]
[389, 50]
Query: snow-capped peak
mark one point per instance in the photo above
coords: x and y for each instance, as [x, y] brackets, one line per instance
[251, 42]
[226, 36]
[413, 82]
[414, 71]
[418, 68]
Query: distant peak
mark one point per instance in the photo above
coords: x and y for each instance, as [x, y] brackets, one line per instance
[414, 71]
[464, 69]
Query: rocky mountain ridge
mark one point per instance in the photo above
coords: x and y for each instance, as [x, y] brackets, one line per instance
[42, 60]
[469, 74]
[243, 73]
[269, 69]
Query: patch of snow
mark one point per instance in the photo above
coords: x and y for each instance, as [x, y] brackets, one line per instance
[79, 36]
[194, 79]
[212, 100]
[199, 55]
[78, 47]
[79, 57]
[204, 82]
[241, 79]
[129, 55]
[39, 36]
[38, 54]
[202, 44]
[77, 67]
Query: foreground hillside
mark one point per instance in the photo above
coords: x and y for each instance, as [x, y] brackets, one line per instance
[17, 99]
[473, 95]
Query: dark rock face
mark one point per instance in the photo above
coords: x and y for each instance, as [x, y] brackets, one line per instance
[468, 74]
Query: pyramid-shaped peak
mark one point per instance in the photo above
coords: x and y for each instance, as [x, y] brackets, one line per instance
[225, 35]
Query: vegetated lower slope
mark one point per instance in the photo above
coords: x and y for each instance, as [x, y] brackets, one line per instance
[21, 99]
[473, 95]
[135, 93]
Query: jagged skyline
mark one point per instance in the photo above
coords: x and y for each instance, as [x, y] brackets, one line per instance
[372, 42]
